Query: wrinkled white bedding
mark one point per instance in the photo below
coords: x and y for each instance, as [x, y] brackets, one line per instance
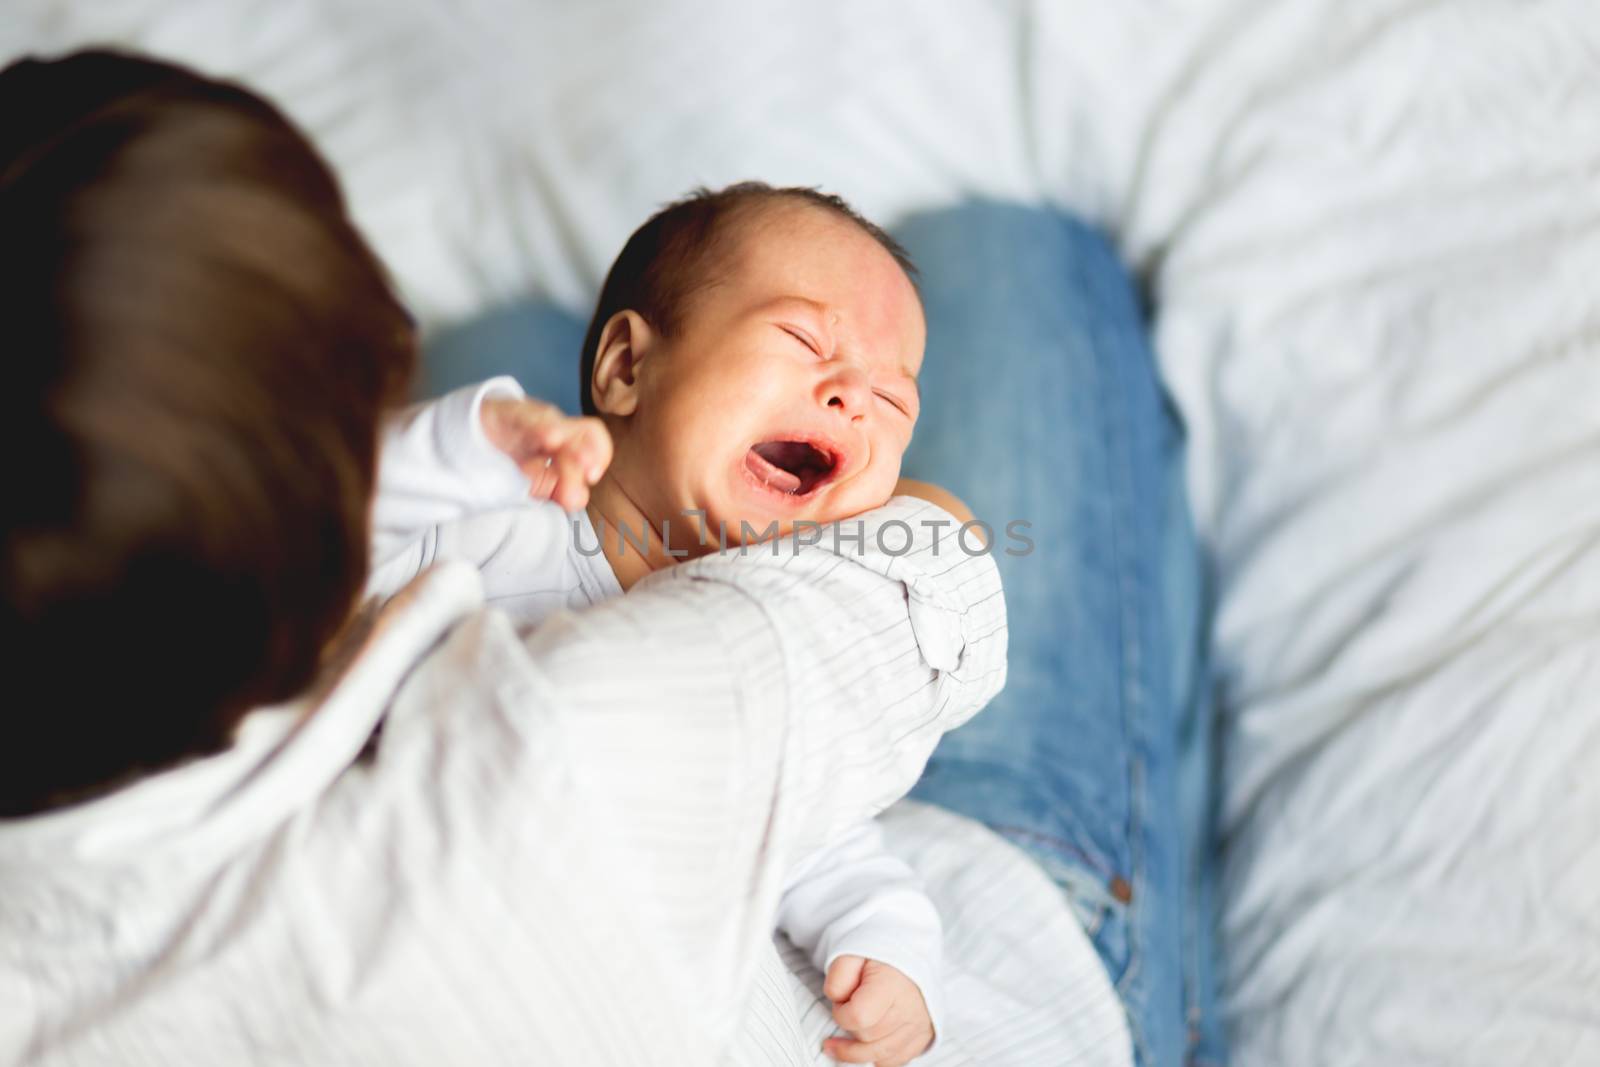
[1376, 248]
[1372, 234]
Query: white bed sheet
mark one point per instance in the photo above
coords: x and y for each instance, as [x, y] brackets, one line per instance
[1372, 233]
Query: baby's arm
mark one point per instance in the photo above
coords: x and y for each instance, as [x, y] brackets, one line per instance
[862, 915]
[435, 464]
[480, 448]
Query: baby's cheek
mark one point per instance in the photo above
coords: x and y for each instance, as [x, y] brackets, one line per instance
[884, 481]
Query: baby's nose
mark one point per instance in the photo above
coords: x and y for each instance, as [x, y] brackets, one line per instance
[845, 390]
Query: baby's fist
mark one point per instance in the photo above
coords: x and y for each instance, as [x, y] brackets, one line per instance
[880, 1008]
[560, 454]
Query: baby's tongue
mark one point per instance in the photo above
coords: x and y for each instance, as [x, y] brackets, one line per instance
[770, 473]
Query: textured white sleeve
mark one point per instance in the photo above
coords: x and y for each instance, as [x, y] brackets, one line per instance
[854, 898]
[435, 465]
[736, 714]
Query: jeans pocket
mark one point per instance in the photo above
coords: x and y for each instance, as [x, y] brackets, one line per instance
[1098, 898]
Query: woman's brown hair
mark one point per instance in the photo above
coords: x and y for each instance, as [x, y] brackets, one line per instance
[198, 350]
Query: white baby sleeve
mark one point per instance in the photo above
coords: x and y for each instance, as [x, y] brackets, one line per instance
[854, 898]
[435, 465]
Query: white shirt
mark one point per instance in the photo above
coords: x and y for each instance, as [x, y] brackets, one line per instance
[474, 844]
[851, 898]
[1025, 986]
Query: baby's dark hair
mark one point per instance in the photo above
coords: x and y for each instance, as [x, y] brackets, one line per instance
[671, 257]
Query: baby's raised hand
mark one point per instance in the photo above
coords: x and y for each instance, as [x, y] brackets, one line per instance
[562, 455]
[880, 1008]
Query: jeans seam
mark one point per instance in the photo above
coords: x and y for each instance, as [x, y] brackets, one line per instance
[1116, 432]
[1058, 844]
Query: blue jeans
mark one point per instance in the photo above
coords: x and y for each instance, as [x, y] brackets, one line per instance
[1040, 403]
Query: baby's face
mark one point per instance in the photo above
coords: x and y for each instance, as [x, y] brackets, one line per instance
[789, 393]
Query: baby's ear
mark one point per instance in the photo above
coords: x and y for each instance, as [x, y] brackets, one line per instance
[624, 342]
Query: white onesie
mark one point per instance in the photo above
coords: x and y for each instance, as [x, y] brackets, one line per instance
[445, 492]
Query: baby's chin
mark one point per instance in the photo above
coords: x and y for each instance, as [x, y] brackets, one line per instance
[840, 512]
[750, 510]
[752, 527]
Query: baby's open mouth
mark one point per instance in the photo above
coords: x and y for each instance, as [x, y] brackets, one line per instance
[793, 467]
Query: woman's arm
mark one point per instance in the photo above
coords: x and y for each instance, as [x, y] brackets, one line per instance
[738, 712]
[935, 494]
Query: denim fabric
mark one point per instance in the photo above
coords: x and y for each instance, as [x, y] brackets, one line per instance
[536, 343]
[1041, 404]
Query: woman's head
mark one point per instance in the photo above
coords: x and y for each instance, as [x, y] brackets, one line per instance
[199, 346]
